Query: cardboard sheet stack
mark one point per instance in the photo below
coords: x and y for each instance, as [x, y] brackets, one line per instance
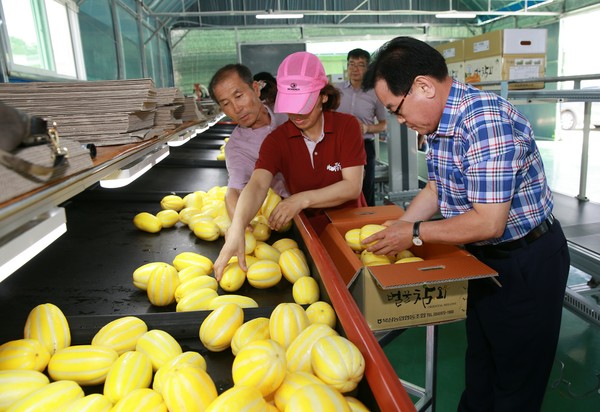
[100, 112]
[173, 108]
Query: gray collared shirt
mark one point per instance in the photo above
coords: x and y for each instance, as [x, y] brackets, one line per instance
[363, 105]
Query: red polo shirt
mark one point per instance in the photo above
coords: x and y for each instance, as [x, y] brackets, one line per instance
[285, 151]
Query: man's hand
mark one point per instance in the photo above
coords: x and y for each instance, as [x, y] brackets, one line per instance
[397, 237]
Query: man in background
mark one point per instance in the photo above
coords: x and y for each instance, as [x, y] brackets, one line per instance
[238, 95]
[365, 106]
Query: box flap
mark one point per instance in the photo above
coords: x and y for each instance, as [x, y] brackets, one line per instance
[524, 41]
[430, 271]
[365, 215]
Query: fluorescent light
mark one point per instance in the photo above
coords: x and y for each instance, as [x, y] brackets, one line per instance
[132, 171]
[453, 14]
[22, 244]
[280, 16]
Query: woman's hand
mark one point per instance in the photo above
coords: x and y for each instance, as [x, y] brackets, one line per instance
[285, 211]
[235, 245]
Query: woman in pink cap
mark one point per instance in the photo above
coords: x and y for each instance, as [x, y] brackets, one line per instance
[319, 152]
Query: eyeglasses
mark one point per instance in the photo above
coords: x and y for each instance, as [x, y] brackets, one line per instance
[397, 111]
[355, 65]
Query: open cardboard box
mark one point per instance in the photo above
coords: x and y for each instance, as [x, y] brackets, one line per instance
[399, 295]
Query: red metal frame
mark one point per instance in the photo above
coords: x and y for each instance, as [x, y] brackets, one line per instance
[383, 380]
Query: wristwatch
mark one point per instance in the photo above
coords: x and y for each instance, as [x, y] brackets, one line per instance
[416, 239]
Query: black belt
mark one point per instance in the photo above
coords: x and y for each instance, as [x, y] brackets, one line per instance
[501, 249]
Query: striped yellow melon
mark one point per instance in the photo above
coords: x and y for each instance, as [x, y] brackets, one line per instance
[264, 251]
[260, 364]
[409, 259]
[317, 398]
[369, 230]
[16, 384]
[404, 254]
[85, 364]
[297, 355]
[186, 213]
[216, 192]
[185, 259]
[172, 202]
[305, 290]
[293, 381]
[223, 222]
[255, 329]
[121, 334]
[285, 244]
[199, 282]
[261, 231]
[197, 299]
[159, 346]
[94, 402]
[147, 222]
[48, 324]
[188, 389]
[352, 238]
[286, 322]
[239, 399]
[189, 358]
[293, 264]
[133, 370]
[142, 274]
[219, 326]
[141, 400]
[24, 354]
[168, 218]
[321, 312]
[264, 274]
[194, 199]
[356, 405]
[161, 287]
[191, 272]
[250, 260]
[370, 259]
[200, 217]
[240, 300]
[249, 242]
[337, 362]
[233, 277]
[270, 202]
[207, 230]
[55, 396]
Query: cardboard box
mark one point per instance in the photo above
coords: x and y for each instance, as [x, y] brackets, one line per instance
[408, 294]
[454, 53]
[508, 54]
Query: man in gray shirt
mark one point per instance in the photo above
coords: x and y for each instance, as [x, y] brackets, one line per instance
[366, 108]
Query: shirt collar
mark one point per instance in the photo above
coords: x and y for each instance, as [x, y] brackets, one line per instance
[452, 109]
[327, 125]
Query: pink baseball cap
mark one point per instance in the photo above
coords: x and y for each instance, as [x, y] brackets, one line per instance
[300, 78]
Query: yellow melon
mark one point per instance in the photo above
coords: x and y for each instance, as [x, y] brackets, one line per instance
[55, 396]
[161, 287]
[185, 259]
[371, 259]
[293, 381]
[240, 300]
[48, 324]
[141, 400]
[142, 274]
[131, 371]
[121, 334]
[159, 346]
[172, 202]
[410, 259]
[219, 326]
[264, 251]
[404, 254]
[207, 230]
[261, 231]
[298, 354]
[197, 283]
[194, 199]
[260, 364]
[369, 230]
[168, 218]
[186, 214]
[356, 405]
[352, 238]
[284, 244]
[337, 362]
[223, 222]
[196, 299]
[293, 264]
[264, 274]
[147, 222]
[305, 290]
[250, 242]
[286, 322]
[85, 364]
[317, 397]
[191, 272]
[189, 358]
[255, 329]
[94, 402]
[270, 202]
[16, 384]
[239, 399]
[233, 277]
[321, 312]
[188, 389]
[24, 354]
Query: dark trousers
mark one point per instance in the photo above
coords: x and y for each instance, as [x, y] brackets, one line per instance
[368, 187]
[512, 331]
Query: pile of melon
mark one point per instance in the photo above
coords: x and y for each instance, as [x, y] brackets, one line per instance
[354, 239]
[205, 214]
[293, 361]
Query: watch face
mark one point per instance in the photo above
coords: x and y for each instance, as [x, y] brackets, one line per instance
[417, 241]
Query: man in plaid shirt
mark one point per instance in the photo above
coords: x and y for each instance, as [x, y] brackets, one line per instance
[486, 179]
